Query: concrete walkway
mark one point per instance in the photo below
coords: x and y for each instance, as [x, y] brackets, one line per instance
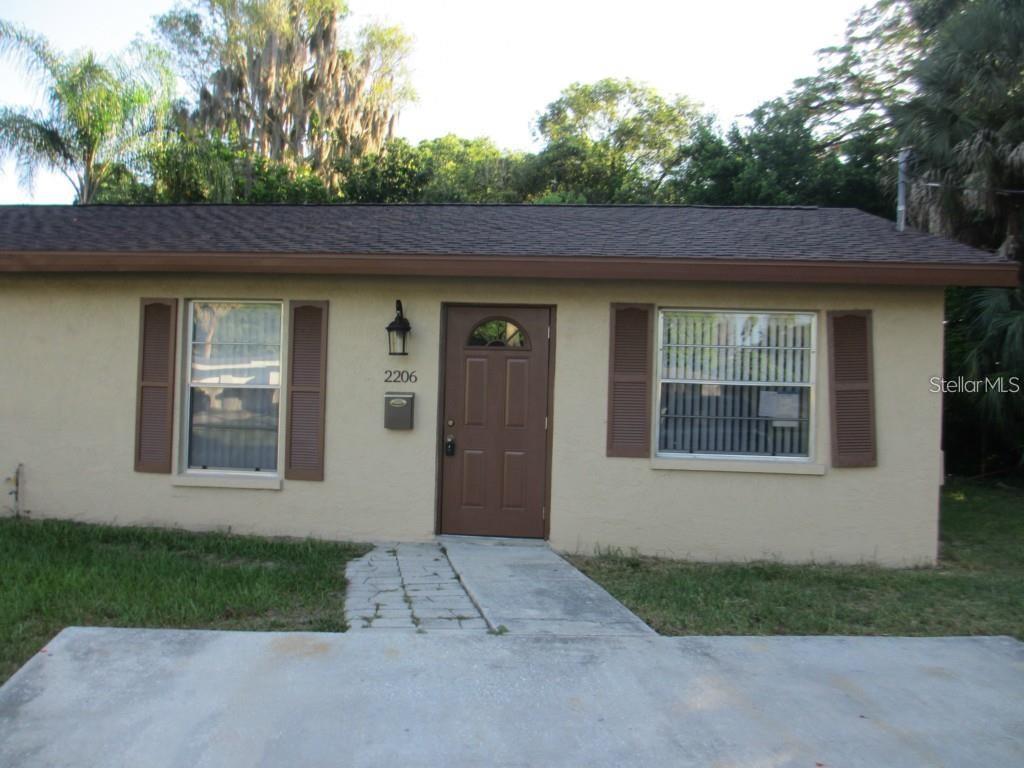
[408, 587]
[169, 698]
[505, 586]
[524, 588]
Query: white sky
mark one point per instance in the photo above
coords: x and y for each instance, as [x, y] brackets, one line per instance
[481, 68]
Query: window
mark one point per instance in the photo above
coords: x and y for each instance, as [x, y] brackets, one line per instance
[497, 333]
[735, 384]
[234, 385]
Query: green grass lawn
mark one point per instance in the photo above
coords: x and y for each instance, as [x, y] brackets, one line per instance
[978, 587]
[55, 574]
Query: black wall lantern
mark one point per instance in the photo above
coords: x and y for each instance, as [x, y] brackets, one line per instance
[398, 332]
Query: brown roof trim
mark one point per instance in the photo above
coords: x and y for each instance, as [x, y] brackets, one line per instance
[587, 268]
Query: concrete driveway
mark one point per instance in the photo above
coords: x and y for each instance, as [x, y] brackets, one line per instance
[140, 698]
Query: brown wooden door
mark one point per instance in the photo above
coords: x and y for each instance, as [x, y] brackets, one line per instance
[494, 421]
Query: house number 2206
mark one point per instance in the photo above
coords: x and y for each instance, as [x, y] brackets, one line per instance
[393, 376]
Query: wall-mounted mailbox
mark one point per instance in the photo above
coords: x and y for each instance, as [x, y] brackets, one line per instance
[398, 410]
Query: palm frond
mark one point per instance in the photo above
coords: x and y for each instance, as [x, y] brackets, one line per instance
[33, 51]
[33, 141]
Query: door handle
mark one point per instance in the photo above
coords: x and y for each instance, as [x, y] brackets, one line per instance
[449, 445]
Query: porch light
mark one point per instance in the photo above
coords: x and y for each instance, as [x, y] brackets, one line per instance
[398, 332]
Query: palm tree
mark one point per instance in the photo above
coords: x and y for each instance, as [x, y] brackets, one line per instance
[965, 121]
[98, 118]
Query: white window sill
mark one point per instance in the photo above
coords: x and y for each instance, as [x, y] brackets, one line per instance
[738, 465]
[213, 480]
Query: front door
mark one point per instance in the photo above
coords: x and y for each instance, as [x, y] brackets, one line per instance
[494, 421]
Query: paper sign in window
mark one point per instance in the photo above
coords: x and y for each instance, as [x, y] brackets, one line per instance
[782, 408]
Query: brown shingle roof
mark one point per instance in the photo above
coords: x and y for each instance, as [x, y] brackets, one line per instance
[669, 232]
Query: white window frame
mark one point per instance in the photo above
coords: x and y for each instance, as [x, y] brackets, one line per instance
[734, 457]
[185, 422]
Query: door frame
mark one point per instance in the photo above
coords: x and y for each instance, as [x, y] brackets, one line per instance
[439, 437]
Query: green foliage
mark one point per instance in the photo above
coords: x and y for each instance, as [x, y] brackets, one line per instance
[396, 174]
[613, 141]
[121, 186]
[610, 142]
[631, 120]
[265, 181]
[578, 169]
[946, 78]
[782, 162]
[470, 171]
[779, 160]
[445, 170]
[859, 81]
[192, 170]
[710, 168]
[559, 198]
[965, 122]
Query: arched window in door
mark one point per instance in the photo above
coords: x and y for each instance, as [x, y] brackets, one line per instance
[498, 332]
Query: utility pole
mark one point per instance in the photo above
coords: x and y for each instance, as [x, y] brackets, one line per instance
[901, 189]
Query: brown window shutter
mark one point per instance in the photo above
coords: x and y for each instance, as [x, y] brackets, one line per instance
[307, 387]
[629, 381]
[851, 389]
[154, 407]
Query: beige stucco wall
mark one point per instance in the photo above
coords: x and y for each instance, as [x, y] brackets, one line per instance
[68, 363]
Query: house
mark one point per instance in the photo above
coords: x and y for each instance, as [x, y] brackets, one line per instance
[699, 382]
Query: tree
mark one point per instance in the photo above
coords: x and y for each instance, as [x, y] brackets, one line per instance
[470, 171]
[396, 174]
[99, 117]
[191, 169]
[611, 141]
[449, 169]
[946, 78]
[709, 169]
[579, 170]
[779, 160]
[273, 77]
[965, 122]
[859, 82]
[194, 169]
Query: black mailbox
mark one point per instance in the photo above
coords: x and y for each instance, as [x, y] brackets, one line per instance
[398, 410]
